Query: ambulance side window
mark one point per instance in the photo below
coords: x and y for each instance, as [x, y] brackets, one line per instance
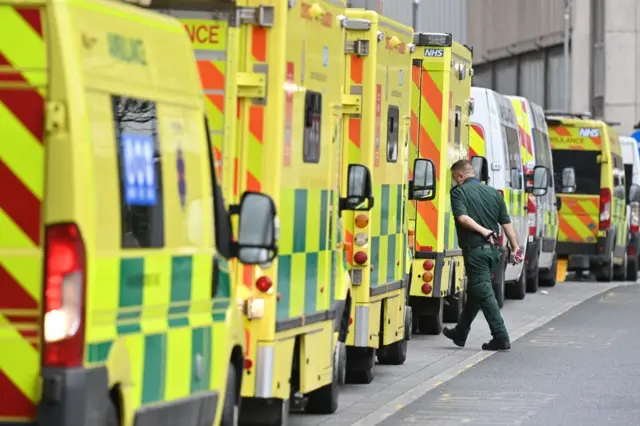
[140, 172]
[514, 162]
[312, 127]
[393, 130]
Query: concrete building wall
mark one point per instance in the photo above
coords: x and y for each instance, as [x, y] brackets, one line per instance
[444, 16]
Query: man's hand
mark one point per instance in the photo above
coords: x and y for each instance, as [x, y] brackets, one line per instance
[518, 257]
[491, 237]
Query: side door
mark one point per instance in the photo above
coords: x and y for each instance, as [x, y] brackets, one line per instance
[516, 183]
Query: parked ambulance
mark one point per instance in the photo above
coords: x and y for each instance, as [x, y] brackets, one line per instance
[542, 211]
[631, 159]
[494, 136]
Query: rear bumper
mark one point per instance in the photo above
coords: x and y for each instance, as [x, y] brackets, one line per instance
[583, 256]
[73, 397]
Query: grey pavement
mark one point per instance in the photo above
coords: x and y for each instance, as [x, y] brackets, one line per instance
[582, 368]
[433, 360]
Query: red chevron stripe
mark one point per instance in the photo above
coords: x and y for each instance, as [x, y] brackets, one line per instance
[432, 94]
[14, 296]
[32, 16]
[256, 122]
[19, 203]
[13, 402]
[25, 103]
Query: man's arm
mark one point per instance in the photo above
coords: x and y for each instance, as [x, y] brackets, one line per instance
[511, 236]
[472, 225]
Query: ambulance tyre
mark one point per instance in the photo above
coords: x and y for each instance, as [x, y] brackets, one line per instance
[325, 399]
[605, 272]
[231, 410]
[342, 362]
[432, 324]
[533, 280]
[518, 289]
[396, 353]
[360, 362]
[548, 278]
[620, 272]
[453, 307]
[632, 268]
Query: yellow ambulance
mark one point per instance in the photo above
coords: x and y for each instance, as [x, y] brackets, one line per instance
[117, 305]
[377, 104]
[268, 72]
[589, 174]
[441, 105]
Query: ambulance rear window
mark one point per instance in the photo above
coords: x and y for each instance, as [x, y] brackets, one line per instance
[312, 127]
[140, 170]
[513, 155]
[585, 164]
[393, 118]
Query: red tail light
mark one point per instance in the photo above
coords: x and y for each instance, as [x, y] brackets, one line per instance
[531, 216]
[64, 297]
[427, 265]
[426, 288]
[635, 218]
[360, 258]
[264, 284]
[605, 208]
[500, 232]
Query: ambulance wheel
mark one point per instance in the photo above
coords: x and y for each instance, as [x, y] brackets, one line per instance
[518, 290]
[548, 278]
[454, 302]
[620, 272]
[632, 269]
[341, 362]
[231, 409]
[605, 272]
[432, 324]
[396, 353]
[497, 281]
[325, 399]
[360, 363]
[533, 279]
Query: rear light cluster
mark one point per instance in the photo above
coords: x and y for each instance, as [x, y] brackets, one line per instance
[635, 218]
[531, 208]
[360, 257]
[64, 296]
[427, 276]
[500, 232]
[605, 208]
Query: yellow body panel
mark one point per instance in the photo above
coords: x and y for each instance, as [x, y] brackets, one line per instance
[377, 136]
[579, 216]
[123, 84]
[441, 92]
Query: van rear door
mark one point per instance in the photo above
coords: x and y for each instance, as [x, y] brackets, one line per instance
[23, 85]
[578, 216]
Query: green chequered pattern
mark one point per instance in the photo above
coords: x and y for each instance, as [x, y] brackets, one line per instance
[183, 301]
[388, 240]
[305, 258]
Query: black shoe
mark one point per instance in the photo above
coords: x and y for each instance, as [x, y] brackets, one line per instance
[494, 345]
[450, 333]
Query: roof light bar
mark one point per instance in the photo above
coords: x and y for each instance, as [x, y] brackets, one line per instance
[433, 39]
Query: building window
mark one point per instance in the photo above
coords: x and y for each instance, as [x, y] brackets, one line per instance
[140, 172]
[312, 127]
[393, 127]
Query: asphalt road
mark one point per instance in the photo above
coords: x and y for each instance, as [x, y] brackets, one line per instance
[582, 368]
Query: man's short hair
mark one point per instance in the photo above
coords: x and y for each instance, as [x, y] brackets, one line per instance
[462, 166]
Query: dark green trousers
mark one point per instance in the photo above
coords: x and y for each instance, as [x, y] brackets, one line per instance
[479, 263]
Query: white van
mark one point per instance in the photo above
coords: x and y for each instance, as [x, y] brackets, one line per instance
[494, 136]
[631, 159]
[542, 211]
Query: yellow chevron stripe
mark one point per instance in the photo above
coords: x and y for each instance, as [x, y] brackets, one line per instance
[22, 354]
[30, 172]
[29, 54]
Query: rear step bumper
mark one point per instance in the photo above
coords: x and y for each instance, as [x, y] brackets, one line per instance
[73, 397]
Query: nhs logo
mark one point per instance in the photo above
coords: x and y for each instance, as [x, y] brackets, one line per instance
[434, 53]
[589, 133]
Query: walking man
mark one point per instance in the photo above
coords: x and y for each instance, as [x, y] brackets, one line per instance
[479, 210]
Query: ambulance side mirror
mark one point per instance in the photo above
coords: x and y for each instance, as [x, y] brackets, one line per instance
[481, 167]
[540, 184]
[568, 180]
[359, 189]
[423, 185]
[258, 229]
[634, 194]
